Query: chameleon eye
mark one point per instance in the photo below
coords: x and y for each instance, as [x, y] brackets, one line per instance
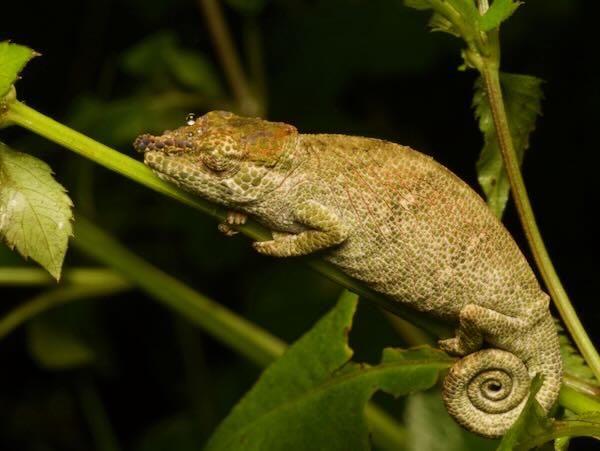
[217, 163]
[220, 152]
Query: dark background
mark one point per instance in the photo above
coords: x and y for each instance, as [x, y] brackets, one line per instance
[343, 66]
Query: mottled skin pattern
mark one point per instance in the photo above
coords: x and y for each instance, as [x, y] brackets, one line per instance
[395, 219]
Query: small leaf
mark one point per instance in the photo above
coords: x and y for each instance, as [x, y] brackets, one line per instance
[522, 96]
[498, 12]
[13, 58]
[457, 17]
[314, 398]
[35, 211]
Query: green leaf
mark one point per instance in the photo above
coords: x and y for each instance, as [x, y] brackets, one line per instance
[430, 427]
[35, 211]
[573, 362]
[314, 398]
[55, 347]
[522, 99]
[533, 428]
[499, 11]
[457, 17]
[532, 420]
[13, 58]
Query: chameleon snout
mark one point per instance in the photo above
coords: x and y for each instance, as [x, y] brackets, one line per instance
[163, 143]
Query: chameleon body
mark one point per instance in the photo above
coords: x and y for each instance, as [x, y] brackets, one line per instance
[396, 220]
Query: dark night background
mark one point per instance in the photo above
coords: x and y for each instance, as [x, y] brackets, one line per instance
[340, 66]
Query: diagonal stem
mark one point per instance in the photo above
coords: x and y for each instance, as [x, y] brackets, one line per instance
[491, 78]
[229, 57]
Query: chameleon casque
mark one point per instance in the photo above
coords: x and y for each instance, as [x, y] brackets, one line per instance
[395, 219]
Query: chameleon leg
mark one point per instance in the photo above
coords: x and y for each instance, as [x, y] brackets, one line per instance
[477, 323]
[233, 218]
[325, 229]
[486, 390]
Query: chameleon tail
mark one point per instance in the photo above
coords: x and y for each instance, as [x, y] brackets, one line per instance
[486, 391]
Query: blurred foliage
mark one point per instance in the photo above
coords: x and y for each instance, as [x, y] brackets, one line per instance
[116, 69]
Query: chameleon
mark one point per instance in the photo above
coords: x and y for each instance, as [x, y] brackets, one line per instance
[398, 221]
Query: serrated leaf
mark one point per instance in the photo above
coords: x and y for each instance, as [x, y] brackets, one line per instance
[454, 16]
[573, 362]
[498, 12]
[35, 211]
[313, 398]
[440, 23]
[56, 347]
[522, 100]
[13, 58]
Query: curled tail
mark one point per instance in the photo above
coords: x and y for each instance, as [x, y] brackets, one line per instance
[487, 390]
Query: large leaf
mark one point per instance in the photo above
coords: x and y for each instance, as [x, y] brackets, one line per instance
[13, 58]
[430, 427]
[314, 398]
[35, 211]
[522, 100]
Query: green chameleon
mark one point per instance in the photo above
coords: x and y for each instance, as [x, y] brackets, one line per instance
[395, 219]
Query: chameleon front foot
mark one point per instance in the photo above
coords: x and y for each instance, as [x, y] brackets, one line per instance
[486, 391]
[234, 218]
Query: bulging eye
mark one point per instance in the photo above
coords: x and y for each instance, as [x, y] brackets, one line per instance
[220, 152]
[217, 163]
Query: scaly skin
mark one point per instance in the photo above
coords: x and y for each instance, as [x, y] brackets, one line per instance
[395, 219]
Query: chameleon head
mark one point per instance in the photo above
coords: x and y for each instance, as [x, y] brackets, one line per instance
[221, 156]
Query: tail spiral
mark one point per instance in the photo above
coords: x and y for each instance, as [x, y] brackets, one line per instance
[486, 391]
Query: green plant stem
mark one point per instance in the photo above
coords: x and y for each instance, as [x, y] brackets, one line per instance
[578, 402]
[23, 276]
[230, 329]
[491, 78]
[581, 385]
[229, 57]
[54, 297]
[25, 116]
